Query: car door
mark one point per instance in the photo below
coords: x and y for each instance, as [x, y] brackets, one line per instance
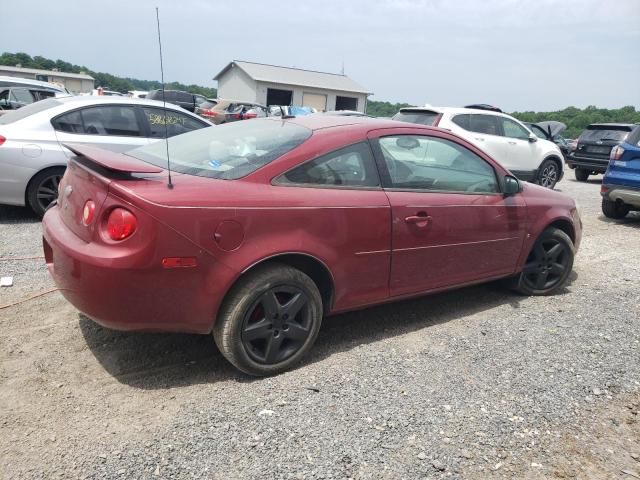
[451, 225]
[485, 130]
[517, 152]
[112, 127]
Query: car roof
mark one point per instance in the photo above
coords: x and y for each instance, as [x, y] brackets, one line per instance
[318, 122]
[106, 99]
[431, 108]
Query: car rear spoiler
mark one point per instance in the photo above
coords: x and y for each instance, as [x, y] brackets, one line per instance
[116, 162]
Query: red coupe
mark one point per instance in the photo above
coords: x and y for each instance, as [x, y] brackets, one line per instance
[269, 225]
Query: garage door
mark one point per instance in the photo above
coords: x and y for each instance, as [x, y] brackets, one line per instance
[315, 100]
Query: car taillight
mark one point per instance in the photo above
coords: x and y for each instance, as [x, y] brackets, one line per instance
[2, 140]
[604, 189]
[250, 115]
[88, 212]
[121, 224]
[616, 153]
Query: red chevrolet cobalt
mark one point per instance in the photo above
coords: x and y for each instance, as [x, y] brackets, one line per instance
[269, 225]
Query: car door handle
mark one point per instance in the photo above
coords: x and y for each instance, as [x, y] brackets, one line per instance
[419, 220]
[479, 139]
[511, 143]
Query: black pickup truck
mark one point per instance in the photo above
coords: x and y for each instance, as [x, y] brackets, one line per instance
[591, 155]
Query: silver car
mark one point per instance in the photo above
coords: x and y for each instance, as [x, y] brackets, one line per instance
[32, 155]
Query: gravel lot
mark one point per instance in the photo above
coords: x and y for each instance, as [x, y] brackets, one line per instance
[477, 383]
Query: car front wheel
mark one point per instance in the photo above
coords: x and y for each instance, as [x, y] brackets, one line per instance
[548, 265]
[269, 321]
[548, 174]
[615, 210]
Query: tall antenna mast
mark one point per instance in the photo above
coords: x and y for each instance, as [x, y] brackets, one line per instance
[164, 102]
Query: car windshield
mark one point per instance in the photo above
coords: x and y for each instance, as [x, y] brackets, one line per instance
[228, 151]
[30, 109]
[416, 116]
[595, 134]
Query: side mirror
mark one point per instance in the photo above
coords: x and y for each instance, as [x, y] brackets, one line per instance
[532, 138]
[511, 186]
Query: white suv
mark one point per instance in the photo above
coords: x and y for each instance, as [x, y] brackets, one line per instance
[503, 137]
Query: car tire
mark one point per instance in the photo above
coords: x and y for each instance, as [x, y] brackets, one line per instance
[43, 189]
[548, 174]
[269, 320]
[582, 175]
[548, 265]
[615, 210]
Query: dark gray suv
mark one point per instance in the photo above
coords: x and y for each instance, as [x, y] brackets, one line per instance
[591, 155]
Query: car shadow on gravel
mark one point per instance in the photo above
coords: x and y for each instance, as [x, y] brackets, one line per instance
[631, 220]
[159, 361]
[9, 215]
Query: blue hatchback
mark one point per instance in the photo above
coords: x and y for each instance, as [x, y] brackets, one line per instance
[621, 183]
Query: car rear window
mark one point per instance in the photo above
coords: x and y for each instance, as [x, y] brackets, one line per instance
[27, 110]
[421, 117]
[595, 133]
[228, 151]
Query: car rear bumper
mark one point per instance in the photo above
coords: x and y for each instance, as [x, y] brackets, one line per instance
[624, 194]
[588, 163]
[127, 293]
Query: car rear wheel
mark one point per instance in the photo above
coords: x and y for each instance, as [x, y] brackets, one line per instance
[614, 210]
[548, 265]
[43, 189]
[269, 321]
[582, 175]
[549, 173]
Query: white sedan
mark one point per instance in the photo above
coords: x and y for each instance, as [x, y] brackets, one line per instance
[32, 155]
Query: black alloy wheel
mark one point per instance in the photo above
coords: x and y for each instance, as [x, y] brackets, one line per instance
[549, 174]
[269, 320]
[43, 189]
[277, 325]
[548, 265]
[615, 210]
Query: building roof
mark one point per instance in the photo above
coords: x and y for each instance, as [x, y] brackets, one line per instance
[295, 76]
[36, 71]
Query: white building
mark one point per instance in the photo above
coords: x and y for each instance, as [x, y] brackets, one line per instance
[74, 82]
[273, 85]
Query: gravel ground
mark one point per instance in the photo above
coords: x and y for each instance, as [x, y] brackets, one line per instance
[476, 383]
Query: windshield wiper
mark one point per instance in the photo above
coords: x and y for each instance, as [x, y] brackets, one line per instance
[609, 139]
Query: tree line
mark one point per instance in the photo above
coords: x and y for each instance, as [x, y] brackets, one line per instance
[576, 119]
[104, 80]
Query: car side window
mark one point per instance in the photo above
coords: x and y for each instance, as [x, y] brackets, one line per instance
[487, 124]
[462, 121]
[70, 122]
[417, 162]
[352, 166]
[176, 122]
[112, 120]
[514, 130]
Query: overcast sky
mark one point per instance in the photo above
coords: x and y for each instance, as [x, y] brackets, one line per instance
[517, 54]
